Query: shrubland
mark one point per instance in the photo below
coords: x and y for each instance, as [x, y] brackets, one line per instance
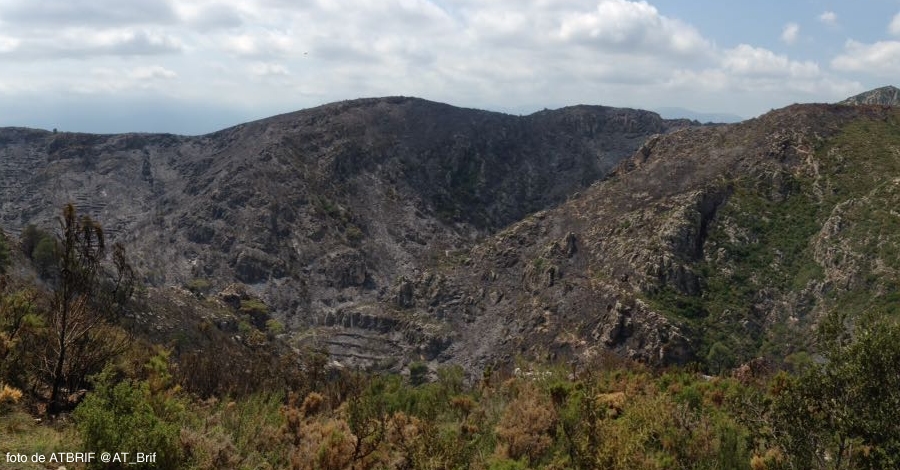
[227, 403]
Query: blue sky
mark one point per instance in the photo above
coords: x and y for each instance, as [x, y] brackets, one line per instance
[196, 66]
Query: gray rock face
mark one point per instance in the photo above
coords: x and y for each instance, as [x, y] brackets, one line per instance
[334, 215]
[885, 96]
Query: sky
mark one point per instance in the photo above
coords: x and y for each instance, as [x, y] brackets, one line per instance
[197, 66]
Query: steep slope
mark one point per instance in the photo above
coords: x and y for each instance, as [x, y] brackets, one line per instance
[885, 96]
[716, 244]
[323, 213]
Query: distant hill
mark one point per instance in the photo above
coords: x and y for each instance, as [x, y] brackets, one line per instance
[886, 96]
[682, 113]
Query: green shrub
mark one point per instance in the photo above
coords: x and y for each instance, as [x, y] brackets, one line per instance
[4, 252]
[418, 373]
[45, 256]
[274, 327]
[198, 286]
[127, 417]
[29, 239]
[354, 234]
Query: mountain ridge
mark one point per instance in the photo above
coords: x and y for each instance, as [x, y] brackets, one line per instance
[885, 96]
[320, 212]
[393, 229]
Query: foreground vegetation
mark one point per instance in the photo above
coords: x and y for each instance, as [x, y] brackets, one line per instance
[253, 407]
[613, 415]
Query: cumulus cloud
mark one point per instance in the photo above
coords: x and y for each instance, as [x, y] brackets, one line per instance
[749, 61]
[85, 43]
[894, 27]
[881, 58]
[789, 33]
[753, 73]
[209, 16]
[87, 12]
[260, 44]
[630, 26]
[110, 42]
[829, 18]
[508, 55]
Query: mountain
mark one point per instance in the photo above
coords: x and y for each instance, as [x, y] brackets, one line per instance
[714, 244]
[323, 214]
[886, 96]
[682, 113]
[396, 229]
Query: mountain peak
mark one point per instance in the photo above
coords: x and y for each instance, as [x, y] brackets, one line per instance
[886, 95]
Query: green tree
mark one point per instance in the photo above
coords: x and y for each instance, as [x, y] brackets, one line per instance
[719, 358]
[45, 257]
[843, 412]
[29, 239]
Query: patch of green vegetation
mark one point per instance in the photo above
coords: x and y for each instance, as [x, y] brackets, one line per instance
[254, 307]
[353, 233]
[198, 286]
[327, 207]
[681, 306]
[760, 244]
[274, 327]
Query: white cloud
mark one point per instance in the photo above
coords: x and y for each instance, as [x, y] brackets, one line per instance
[260, 44]
[86, 43]
[61, 13]
[210, 15]
[894, 27]
[829, 17]
[105, 80]
[753, 73]
[749, 61]
[261, 69]
[880, 59]
[789, 33]
[274, 56]
[630, 26]
[8, 44]
[153, 72]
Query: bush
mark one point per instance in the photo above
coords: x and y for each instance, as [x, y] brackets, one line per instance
[127, 417]
[45, 257]
[198, 286]
[4, 252]
[418, 373]
[845, 407]
[8, 397]
[526, 429]
[29, 239]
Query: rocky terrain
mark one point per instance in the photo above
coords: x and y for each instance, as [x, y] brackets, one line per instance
[326, 215]
[885, 96]
[396, 229]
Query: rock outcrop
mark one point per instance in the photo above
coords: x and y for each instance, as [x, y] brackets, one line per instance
[884, 96]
